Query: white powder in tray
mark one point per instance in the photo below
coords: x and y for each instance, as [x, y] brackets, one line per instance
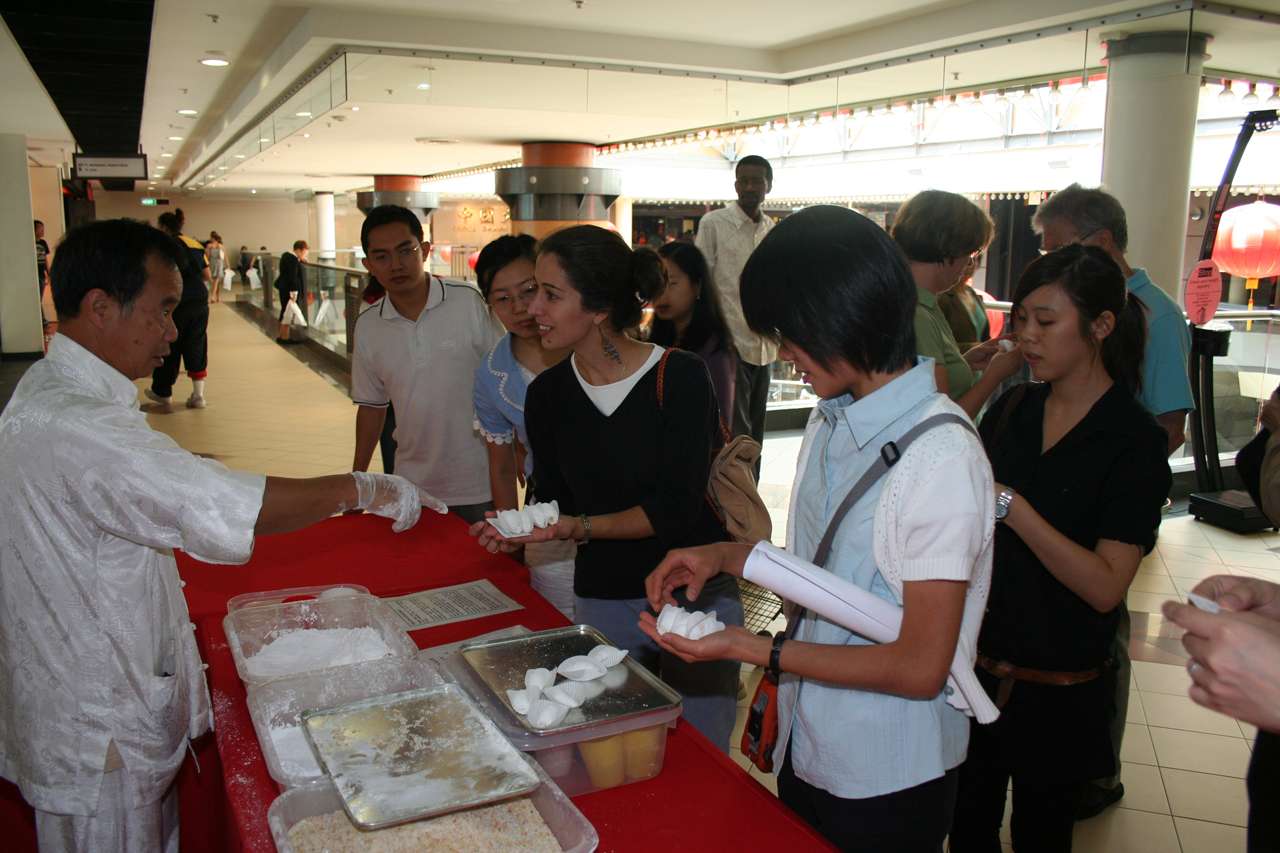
[513, 826]
[297, 650]
[293, 752]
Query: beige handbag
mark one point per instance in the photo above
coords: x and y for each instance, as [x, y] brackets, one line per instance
[731, 490]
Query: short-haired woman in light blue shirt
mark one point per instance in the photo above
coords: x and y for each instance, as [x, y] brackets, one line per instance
[869, 745]
[504, 273]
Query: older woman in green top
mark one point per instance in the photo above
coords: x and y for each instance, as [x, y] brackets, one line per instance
[940, 232]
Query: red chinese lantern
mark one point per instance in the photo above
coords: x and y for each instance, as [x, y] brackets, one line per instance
[1248, 243]
[471, 260]
[446, 254]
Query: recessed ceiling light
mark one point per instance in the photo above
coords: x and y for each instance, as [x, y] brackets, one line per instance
[187, 112]
[306, 136]
[355, 109]
[213, 176]
[424, 85]
[223, 168]
[166, 155]
[214, 63]
[264, 139]
[255, 192]
[303, 114]
[175, 138]
[239, 156]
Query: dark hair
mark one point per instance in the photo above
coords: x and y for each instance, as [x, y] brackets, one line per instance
[36, 222]
[755, 160]
[299, 245]
[215, 235]
[182, 217]
[608, 274]
[111, 256]
[502, 251]
[707, 320]
[169, 222]
[830, 280]
[935, 227]
[1087, 211]
[385, 214]
[373, 290]
[1095, 283]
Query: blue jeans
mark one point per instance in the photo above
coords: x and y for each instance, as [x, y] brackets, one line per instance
[710, 689]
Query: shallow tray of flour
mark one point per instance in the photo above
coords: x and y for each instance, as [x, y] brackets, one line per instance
[416, 754]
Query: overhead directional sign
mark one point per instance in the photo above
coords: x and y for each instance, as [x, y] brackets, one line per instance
[123, 166]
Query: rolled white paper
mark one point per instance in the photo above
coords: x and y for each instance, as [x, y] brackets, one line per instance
[859, 610]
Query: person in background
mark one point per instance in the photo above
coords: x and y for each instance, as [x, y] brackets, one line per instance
[727, 237]
[1094, 217]
[868, 745]
[417, 348]
[1235, 670]
[42, 258]
[941, 233]
[628, 468]
[261, 265]
[505, 275]
[962, 307]
[102, 677]
[1081, 476]
[191, 318]
[217, 254]
[290, 284]
[244, 262]
[688, 316]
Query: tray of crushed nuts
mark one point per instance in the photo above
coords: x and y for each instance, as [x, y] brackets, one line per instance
[416, 754]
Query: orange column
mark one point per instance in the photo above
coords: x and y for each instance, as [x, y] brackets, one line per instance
[397, 183]
[579, 155]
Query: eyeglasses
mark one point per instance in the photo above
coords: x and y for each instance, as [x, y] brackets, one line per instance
[506, 301]
[1044, 251]
[384, 258]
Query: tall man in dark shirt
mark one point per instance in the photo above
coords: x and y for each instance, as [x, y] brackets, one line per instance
[192, 319]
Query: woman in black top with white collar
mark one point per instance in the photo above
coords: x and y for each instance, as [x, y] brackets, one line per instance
[628, 470]
[1081, 476]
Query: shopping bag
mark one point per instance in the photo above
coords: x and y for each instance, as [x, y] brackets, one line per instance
[226, 280]
[293, 314]
[254, 281]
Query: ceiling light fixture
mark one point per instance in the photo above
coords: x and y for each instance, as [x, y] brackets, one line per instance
[166, 155]
[1028, 99]
[1274, 100]
[222, 168]
[303, 114]
[239, 156]
[1084, 90]
[306, 136]
[215, 63]
[264, 139]
[1002, 103]
[1055, 93]
[354, 110]
[175, 138]
[1227, 95]
[1250, 97]
[424, 86]
[187, 112]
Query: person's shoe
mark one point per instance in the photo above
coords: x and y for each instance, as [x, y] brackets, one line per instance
[156, 398]
[195, 402]
[1097, 800]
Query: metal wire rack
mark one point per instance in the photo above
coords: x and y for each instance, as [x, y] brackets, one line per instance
[759, 606]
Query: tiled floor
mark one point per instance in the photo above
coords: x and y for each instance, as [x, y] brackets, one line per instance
[1184, 766]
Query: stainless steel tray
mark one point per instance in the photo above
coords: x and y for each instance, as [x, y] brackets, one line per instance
[629, 688]
[416, 754]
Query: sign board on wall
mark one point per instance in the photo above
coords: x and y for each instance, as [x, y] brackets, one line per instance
[470, 222]
[123, 166]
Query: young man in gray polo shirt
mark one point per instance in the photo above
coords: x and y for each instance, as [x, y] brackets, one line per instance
[417, 349]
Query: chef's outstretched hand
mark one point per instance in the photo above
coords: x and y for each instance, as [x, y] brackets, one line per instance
[393, 497]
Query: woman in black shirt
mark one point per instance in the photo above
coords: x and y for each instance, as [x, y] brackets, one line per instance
[1081, 476]
[627, 460]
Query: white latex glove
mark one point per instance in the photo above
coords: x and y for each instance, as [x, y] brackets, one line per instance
[393, 497]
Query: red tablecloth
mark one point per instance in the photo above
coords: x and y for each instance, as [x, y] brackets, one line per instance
[701, 800]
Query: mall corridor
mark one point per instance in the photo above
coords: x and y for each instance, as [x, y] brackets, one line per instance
[1184, 766]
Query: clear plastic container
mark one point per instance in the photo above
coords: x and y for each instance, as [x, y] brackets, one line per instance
[574, 832]
[590, 758]
[279, 705]
[250, 628]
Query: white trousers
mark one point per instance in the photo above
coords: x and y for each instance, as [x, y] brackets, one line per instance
[116, 828]
[550, 566]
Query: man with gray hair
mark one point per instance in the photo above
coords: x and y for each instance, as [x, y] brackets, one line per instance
[1094, 217]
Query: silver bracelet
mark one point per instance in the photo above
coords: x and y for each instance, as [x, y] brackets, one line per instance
[586, 530]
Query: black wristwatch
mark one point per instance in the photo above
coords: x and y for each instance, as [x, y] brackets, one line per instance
[775, 653]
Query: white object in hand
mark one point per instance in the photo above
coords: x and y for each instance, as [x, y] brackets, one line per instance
[607, 655]
[521, 522]
[690, 625]
[1208, 605]
[1007, 345]
[539, 679]
[393, 497]
[581, 668]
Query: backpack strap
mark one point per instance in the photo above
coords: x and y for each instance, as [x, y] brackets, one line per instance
[889, 456]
